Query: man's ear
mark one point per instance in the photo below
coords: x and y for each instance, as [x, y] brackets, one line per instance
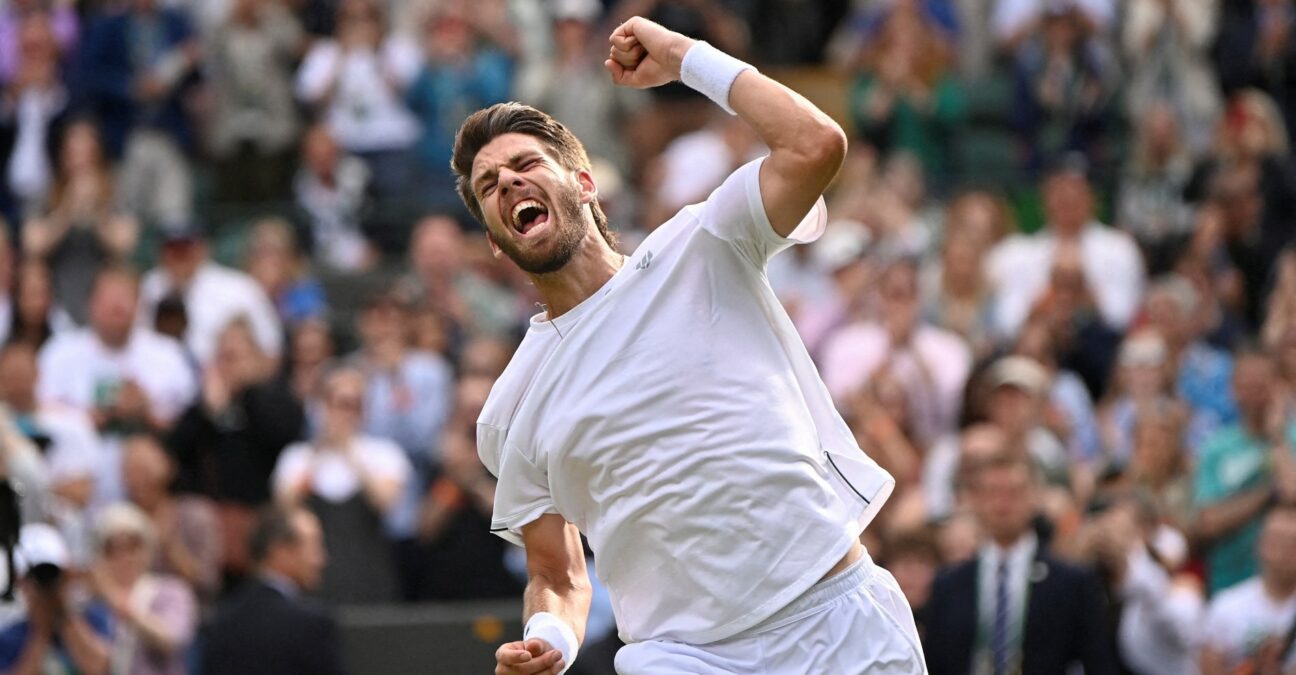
[588, 191]
[495, 249]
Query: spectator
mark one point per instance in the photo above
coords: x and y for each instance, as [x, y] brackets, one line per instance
[125, 377]
[213, 296]
[841, 256]
[52, 630]
[268, 628]
[1069, 411]
[1019, 266]
[1044, 615]
[932, 363]
[1248, 626]
[312, 348]
[1151, 206]
[36, 317]
[1200, 373]
[1254, 50]
[332, 189]
[82, 230]
[1143, 385]
[276, 264]
[408, 397]
[1067, 77]
[1014, 21]
[254, 124]
[1160, 606]
[357, 82]
[136, 65]
[352, 482]
[1166, 45]
[570, 85]
[1016, 402]
[913, 557]
[461, 71]
[905, 98]
[955, 290]
[1243, 467]
[33, 112]
[8, 261]
[227, 442]
[188, 537]
[63, 23]
[440, 279]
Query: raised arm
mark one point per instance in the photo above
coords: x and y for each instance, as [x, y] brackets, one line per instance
[806, 146]
[557, 596]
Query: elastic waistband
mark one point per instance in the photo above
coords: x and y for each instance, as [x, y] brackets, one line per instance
[822, 593]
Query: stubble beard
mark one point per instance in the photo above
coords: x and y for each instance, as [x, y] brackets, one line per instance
[569, 230]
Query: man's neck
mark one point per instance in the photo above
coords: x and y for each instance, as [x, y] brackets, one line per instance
[279, 581]
[589, 269]
[1280, 590]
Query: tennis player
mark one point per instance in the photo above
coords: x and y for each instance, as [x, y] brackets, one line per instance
[664, 406]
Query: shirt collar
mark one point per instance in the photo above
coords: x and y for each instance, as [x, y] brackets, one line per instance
[1017, 555]
[280, 583]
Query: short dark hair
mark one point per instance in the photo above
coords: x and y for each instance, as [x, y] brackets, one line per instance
[486, 124]
[274, 527]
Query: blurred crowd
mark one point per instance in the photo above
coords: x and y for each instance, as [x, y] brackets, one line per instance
[248, 327]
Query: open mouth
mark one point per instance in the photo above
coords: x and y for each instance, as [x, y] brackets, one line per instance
[529, 214]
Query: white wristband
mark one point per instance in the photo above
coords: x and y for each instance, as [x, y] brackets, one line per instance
[555, 631]
[711, 72]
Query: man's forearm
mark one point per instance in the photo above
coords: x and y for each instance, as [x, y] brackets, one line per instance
[568, 599]
[1219, 519]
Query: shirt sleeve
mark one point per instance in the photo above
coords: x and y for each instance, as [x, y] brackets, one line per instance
[735, 213]
[521, 495]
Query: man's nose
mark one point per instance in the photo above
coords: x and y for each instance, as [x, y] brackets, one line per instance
[509, 179]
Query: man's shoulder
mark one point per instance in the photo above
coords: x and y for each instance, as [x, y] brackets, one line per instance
[68, 343]
[1238, 598]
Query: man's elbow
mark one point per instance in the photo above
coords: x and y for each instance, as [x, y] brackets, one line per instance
[822, 149]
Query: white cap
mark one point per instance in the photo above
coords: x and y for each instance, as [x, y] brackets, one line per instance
[578, 10]
[40, 544]
[843, 242]
[1021, 372]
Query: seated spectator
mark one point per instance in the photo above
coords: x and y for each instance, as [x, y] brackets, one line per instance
[1151, 206]
[1243, 467]
[1015, 21]
[352, 482]
[332, 189]
[1167, 46]
[254, 123]
[34, 107]
[1016, 403]
[955, 290]
[357, 82]
[1248, 627]
[881, 416]
[695, 163]
[1044, 615]
[1020, 266]
[906, 98]
[441, 279]
[136, 67]
[1200, 373]
[312, 349]
[1161, 605]
[63, 21]
[1070, 411]
[1067, 78]
[155, 616]
[82, 229]
[932, 363]
[52, 633]
[126, 377]
[268, 628]
[188, 533]
[461, 70]
[213, 296]
[227, 442]
[841, 255]
[1143, 385]
[277, 265]
[35, 315]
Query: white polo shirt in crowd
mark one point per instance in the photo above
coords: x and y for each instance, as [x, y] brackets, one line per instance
[1242, 617]
[676, 418]
[214, 297]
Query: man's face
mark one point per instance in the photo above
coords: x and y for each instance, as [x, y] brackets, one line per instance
[436, 245]
[146, 470]
[1278, 546]
[1003, 498]
[1253, 385]
[19, 382]
[308, 555]
[533, 207]
[1068, 203]
[1013, 409]
[112, 309]
[899, 290]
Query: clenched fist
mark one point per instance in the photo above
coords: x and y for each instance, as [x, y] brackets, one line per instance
[645, 54]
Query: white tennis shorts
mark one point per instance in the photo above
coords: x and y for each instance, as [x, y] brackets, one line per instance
[854, 623]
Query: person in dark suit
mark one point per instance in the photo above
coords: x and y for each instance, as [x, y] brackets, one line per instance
[267, 628]
[1014, 608]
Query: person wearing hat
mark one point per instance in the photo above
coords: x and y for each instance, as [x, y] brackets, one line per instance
[52, 633]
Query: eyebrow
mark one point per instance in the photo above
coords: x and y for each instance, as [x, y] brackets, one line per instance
[513, 161]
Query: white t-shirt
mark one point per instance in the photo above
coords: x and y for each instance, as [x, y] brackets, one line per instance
[77, 369]
[333, 478]
[366, 113]
[216, 296]
[677, 420]
[1240, 618]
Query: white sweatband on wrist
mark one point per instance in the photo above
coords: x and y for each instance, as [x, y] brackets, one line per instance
[555, 631]
[711, 72]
